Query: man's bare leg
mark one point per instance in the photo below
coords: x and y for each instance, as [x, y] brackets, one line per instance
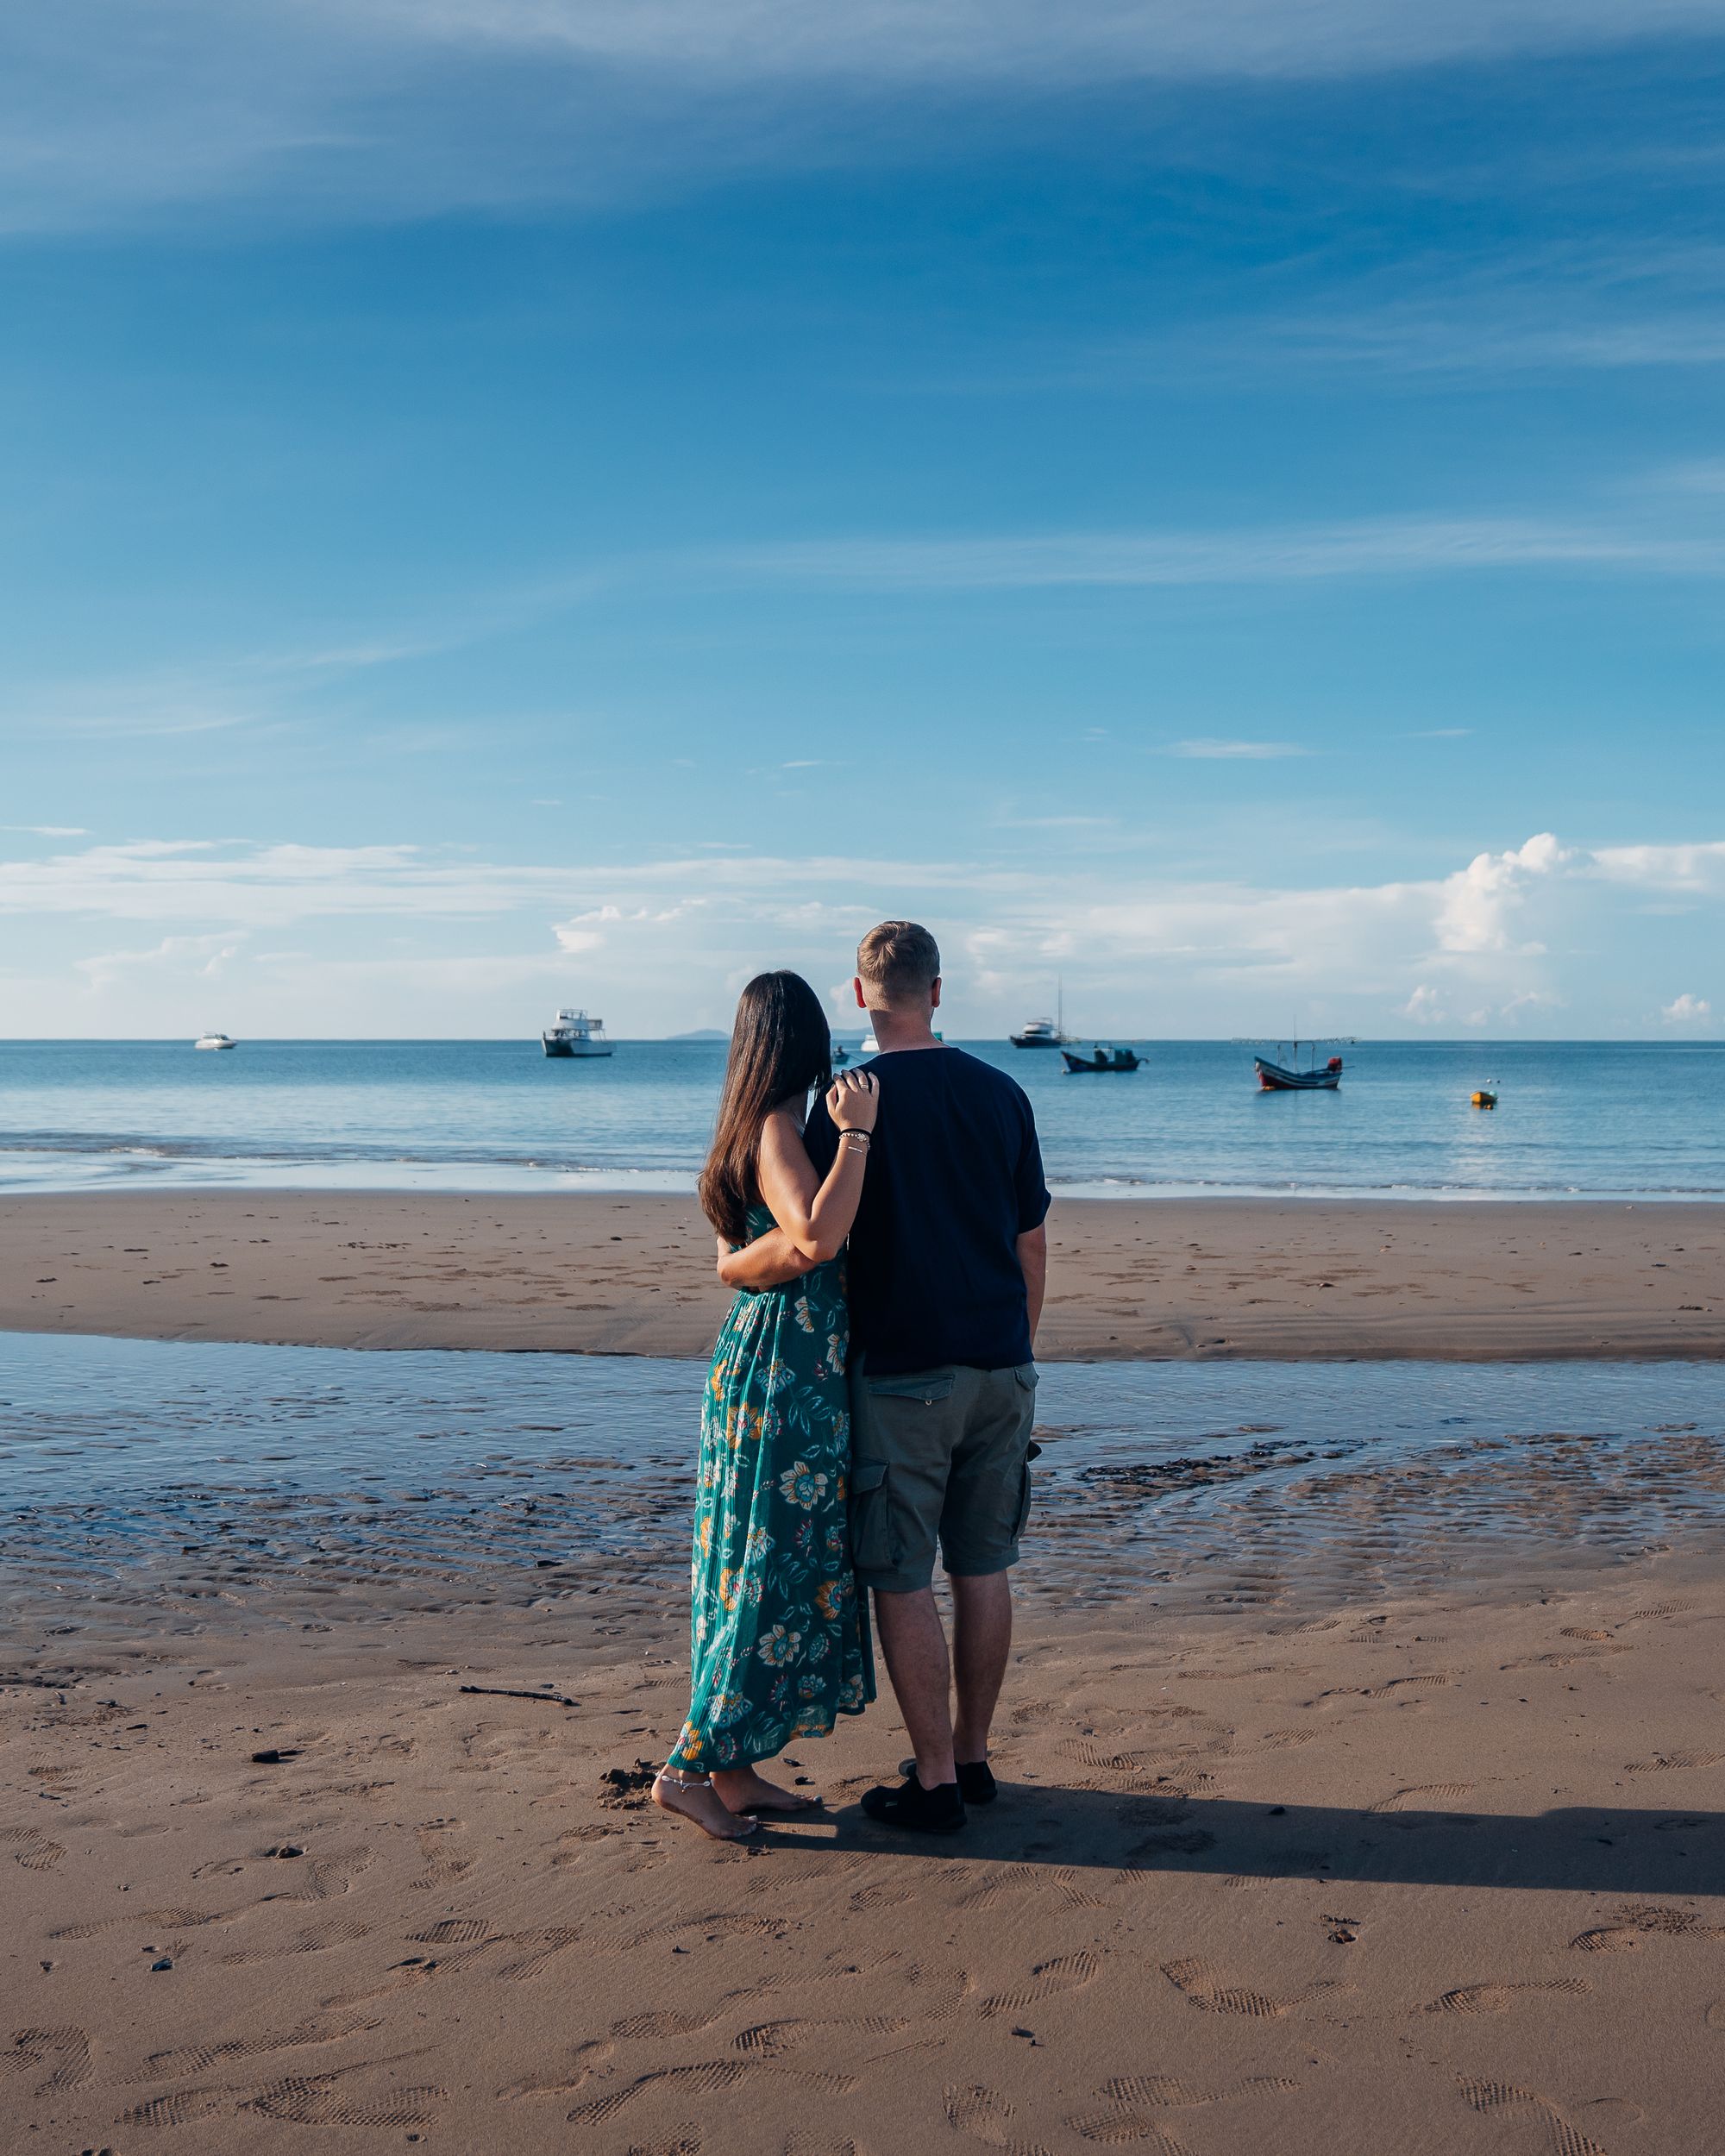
[915, 1647]
[981, 1641]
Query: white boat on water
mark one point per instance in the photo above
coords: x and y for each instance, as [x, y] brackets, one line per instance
[214, 1040]
[573, 1033]
[1045, 1033]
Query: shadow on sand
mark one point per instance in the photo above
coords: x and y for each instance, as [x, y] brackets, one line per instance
[1580, 1849]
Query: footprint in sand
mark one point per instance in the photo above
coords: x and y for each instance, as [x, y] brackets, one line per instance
[159, 1920]
[1066, 1972]
[1559, 2136]
[1629, 1926]
[316, 1938]
[879, 1898]
[708, 2078]
[1423, 1796]
[583, 2062]
[637, 2027]
[1498, 1999]
[1670, 1762]
[771, 2040]
[1205, 1987]
[181, 2108]
[444, 1865]
[67, 2047]
[1021, 1878]
[196, 2058]
[542, 1949]
[986, 2117]
[1127, 2123]
[34, 1849]
[314, 2100]
[327, 1876]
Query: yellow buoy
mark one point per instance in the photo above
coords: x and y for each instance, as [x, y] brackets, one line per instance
[1483, 1100]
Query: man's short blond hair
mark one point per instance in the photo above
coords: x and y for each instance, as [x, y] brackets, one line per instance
[900, 960]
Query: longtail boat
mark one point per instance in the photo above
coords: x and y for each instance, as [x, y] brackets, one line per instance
[1293, 1077]
[1104, 1059]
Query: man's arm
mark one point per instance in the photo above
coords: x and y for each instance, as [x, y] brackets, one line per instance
[769, 1262]
[1034, 1258]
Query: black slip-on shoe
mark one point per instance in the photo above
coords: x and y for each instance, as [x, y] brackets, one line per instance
[907, 1804]
[976, 1782]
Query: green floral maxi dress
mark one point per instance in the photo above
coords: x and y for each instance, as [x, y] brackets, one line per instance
[780, 1643]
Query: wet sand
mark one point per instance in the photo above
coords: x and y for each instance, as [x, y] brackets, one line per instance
[1445, 1877]
[607, 1273]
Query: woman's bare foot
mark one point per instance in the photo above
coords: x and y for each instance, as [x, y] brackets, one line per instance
[699, 1801]
[746, 1793]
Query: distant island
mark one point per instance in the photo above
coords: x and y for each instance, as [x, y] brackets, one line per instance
[701, 1033]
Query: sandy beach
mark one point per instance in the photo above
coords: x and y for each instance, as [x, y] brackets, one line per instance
[1288, 1856]
[616, 1275]
[1434, 1879]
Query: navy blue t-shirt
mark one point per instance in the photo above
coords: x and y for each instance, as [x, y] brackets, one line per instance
[953, 1179]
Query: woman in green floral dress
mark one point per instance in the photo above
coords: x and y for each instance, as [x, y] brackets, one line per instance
[780, 1643]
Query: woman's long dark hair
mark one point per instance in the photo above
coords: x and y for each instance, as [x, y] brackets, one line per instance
[780, 1047]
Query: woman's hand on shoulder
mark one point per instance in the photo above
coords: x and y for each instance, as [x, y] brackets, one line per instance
[854, 1099]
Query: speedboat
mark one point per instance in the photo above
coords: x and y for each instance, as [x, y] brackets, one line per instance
[214, 1040]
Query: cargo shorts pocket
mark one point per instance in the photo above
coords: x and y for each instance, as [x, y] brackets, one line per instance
[1033, 1451]
[925, 1387]
[872, 1539]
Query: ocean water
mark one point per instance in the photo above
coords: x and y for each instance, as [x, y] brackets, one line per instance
[156, 1474]
[1632, 1119]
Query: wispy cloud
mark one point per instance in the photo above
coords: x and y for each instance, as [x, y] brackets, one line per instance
[1380, 547]
[47, 831]
[109, 110]
[1206, 750]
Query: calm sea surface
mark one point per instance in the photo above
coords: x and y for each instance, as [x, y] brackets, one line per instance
[1636, 1119]
[161, 1474]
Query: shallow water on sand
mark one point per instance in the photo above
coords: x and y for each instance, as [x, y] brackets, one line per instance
[192, 1476]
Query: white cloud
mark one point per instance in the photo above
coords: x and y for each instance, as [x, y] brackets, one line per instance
[110, 111]
[48, 830]
[203, 956]
[1479, 902]
[1228, 751]
[1517, 932]
[1687, 1009]
[1294, 553]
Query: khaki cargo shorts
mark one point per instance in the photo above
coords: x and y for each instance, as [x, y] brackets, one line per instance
[939, 1456]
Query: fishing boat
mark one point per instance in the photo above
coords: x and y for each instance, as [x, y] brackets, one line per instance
[841, 1056]
[214, 1040]
[573, 1033]
[1294, 1076]
[1104, 1059]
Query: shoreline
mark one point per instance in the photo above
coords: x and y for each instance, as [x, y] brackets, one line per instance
[1131, 1278]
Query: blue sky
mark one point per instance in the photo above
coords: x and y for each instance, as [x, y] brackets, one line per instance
[515, 501]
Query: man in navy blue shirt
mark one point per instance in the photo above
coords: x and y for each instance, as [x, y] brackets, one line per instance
[947, 1263]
